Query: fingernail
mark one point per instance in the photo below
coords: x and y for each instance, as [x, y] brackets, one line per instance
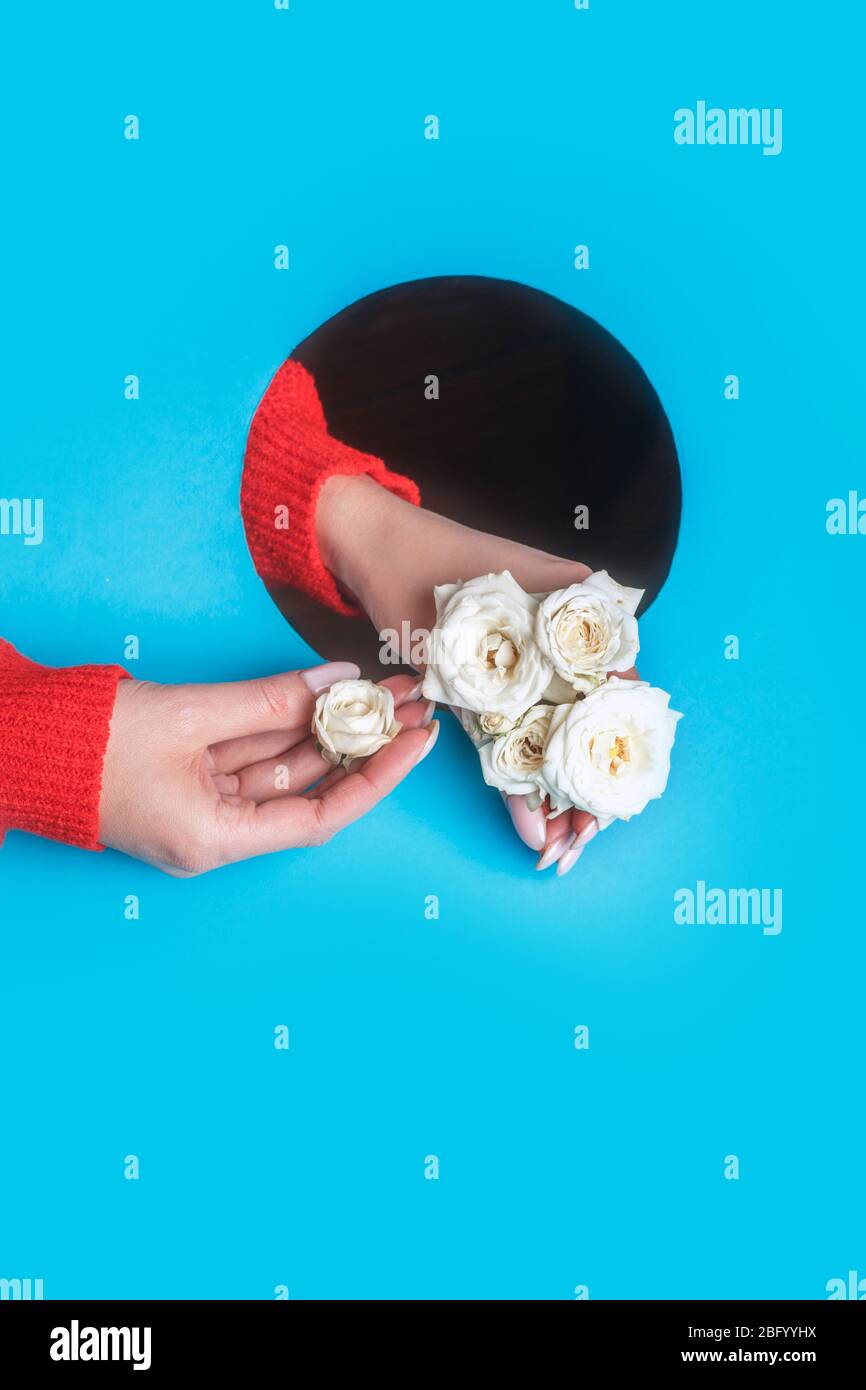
[588, 833]
[554, 850]
[530, 825]
[431, 739]
[318, 678]
[412, 694]
[429, 711]
[570, 858]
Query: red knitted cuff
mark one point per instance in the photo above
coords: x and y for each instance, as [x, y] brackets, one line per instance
[289, 456]
[53, 735]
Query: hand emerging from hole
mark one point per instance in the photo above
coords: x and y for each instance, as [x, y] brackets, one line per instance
[388, 556]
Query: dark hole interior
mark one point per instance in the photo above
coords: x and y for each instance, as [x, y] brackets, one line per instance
[540, 411]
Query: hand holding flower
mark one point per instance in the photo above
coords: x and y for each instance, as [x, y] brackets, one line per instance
[555, 709]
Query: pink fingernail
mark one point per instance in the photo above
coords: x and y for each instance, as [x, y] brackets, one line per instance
[318, 678]
[556, 848]
[570, 858]
[530, 825]
[431, 739]
[411, 694]
[588, 833]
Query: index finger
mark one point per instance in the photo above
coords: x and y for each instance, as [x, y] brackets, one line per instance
[235, 709]
[291, 822]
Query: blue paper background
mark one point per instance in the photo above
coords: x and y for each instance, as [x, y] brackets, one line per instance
[558, 1167]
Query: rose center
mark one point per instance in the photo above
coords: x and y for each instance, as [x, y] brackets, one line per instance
[580, 632]
[619, 753]
[530, 749]
[499, 652]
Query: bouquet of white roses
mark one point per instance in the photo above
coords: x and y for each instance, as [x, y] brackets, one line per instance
[533, 679]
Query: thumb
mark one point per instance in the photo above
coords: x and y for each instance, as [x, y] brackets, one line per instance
[237, 708]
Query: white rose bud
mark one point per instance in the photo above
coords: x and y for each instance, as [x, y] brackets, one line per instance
[513, 763]
[354, 719]
[483, 653]
[495, 724]
[609, 754]
[589, 629]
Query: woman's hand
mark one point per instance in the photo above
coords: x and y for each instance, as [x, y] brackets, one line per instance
[196, 776]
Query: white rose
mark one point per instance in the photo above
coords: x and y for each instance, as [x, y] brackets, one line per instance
[354, 719]
[513, 763]
[495, 724]
[609, 754]
[483, 727]
[483, 654]
[589, 629]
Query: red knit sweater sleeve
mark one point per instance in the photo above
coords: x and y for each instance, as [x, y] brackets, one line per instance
[289, 455]
[53, 735]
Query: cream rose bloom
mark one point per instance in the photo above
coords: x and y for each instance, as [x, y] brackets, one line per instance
[609, 754]
[354, 719]
[483, 654]
[513, 763]
[589, 629]
[482, 727]
[493, 725]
